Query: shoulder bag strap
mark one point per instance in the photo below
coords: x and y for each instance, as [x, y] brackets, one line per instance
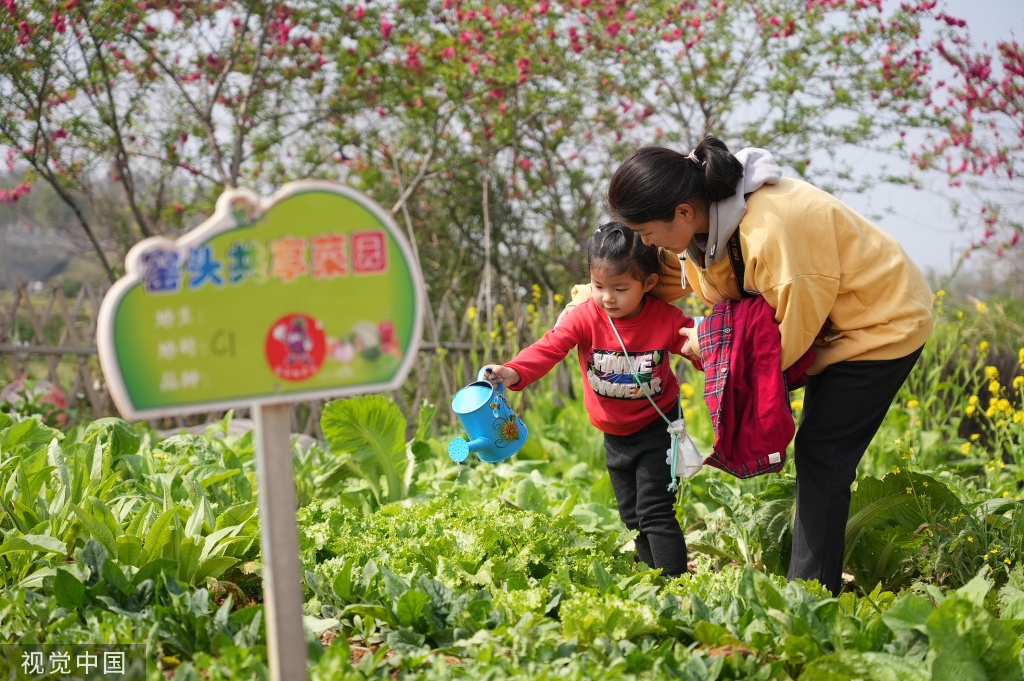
[738, 268]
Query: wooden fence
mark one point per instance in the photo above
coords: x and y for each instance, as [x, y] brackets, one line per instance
[55, 341]
[50, 335]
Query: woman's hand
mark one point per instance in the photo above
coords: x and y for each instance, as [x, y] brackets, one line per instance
[497, 374]
[691, 348]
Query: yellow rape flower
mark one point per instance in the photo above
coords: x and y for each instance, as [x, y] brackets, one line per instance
[973, 399]
[1018, 382]
[471, 313]
[965, 448]
[1020, 357]
[975, 437]
[981, 307]
[687, 390]
[994, 387]
[991, 373]
[559, 298]
[970, 411]
[912, 404]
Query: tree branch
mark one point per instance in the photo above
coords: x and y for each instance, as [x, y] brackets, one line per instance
[124, 171]
[241, 127]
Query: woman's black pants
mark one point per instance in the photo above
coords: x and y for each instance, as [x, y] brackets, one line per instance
[844, 406]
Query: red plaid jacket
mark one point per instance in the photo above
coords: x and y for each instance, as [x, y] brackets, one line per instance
[745, 389]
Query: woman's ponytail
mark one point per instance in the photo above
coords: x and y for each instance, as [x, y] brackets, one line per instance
[721, 169]
[652, 181]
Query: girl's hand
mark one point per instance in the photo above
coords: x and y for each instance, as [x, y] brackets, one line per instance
[497, 374]
[691, 348]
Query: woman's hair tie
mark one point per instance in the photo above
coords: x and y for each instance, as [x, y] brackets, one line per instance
[693, 157]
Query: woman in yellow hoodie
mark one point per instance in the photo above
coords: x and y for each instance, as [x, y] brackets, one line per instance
[836, 281]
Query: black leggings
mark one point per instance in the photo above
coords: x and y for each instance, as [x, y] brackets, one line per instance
[640, 477]
[844, 406]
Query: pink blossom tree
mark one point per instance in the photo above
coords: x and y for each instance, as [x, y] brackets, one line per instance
[979, 143]
[173, 101]
[489, 129]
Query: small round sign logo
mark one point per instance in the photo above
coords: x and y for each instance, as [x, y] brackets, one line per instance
[296, 347]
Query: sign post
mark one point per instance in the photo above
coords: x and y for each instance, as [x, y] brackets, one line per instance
[279, 540]
[312, 293]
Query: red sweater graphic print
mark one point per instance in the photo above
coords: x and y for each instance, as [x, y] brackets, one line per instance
[615, 403]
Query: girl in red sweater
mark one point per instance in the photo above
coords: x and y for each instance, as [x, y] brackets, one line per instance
[624, 337]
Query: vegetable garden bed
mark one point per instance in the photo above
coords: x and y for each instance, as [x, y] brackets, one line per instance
[416, 568]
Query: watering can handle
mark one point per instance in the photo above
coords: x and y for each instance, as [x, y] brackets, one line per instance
[481, 377]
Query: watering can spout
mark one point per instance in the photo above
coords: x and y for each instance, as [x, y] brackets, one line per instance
[459, 449]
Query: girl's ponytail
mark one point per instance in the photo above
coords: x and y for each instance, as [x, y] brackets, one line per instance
[621, 249]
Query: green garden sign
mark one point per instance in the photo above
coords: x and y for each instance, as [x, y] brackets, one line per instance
[310, 294]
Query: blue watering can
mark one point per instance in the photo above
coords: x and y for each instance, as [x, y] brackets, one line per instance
[495, 432]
